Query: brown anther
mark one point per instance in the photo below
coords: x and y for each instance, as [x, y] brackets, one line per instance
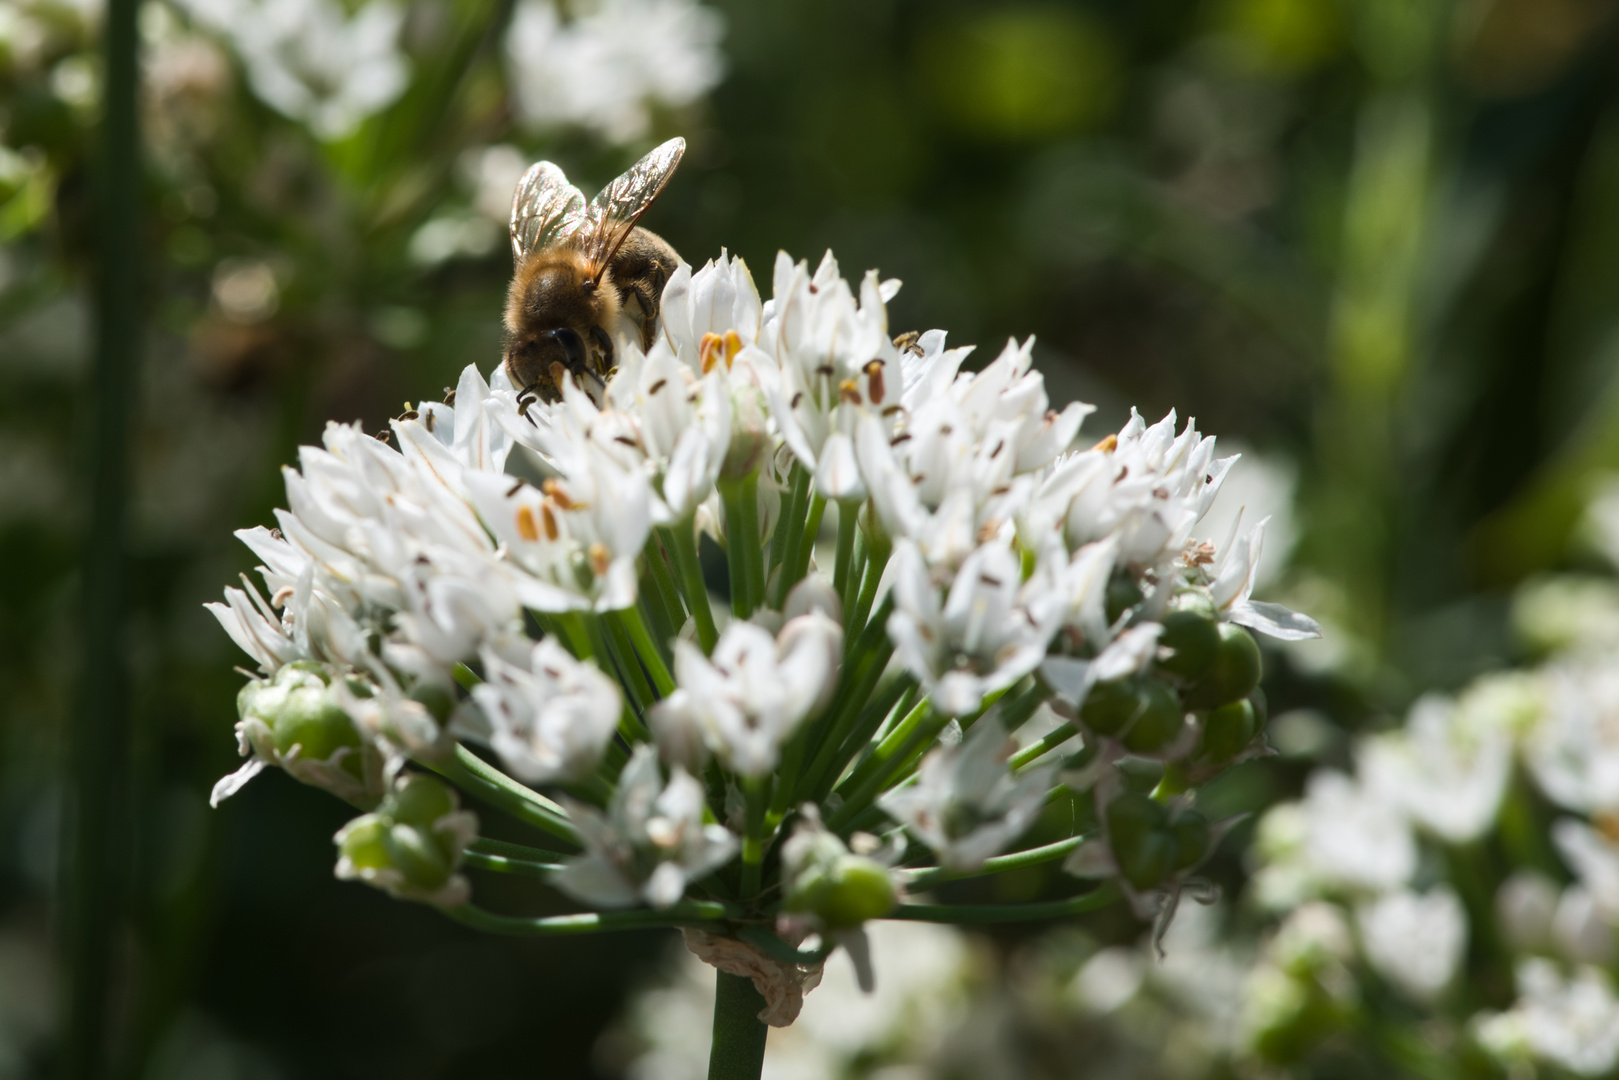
[449, 397]
[409, 414]
[793, 404]
[554, 489]
[277, 534]
[515, 488]
[710, 350]
[1200, 555]
[1107, 445]
[427, 422]
[656, 387]
[733, 345]
[903, 436]
[987, 531]
[849, 391]
[525, 524]
[874, 382]
[548, 520]
[600, 559]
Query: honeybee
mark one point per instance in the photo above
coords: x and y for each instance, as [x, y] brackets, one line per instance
[579, 269]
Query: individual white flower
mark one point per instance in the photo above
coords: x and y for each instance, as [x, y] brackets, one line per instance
[1573, 751]
[649, 844]
[551, 716]
[747, 699]
[1581, 930]
[1415, 940]
[1594, 858]
[965, 804]
[608, 66]
[1234, 584]
[684, 422]
[1572, 1023]
[1146, 486]
[1449, 779]
[1341, 837]
[577, 537]
[311, 60]
[836, 366]
[700, 308]
[990, 628]
[966, 456]
[1525, 905]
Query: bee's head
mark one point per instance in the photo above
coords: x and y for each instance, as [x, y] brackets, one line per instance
[530, 358]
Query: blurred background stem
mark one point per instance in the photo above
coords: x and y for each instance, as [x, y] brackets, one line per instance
[100, 742]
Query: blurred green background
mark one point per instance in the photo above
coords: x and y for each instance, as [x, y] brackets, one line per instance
[1375, 241]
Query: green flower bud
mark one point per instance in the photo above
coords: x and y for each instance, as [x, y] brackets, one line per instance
[1122, 594]
[418, 855]
[1159, 721]
[299, 709]
[1111, 705]
[412, 845]
[1142, 844]
[1233, 675]
[419, 800]
[856, 889]
[1193, 638]
[1228, 730]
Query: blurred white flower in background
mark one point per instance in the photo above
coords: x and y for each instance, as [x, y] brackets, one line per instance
[608, 66]
[311, 60]
[1415, 940]
[1570, 1022]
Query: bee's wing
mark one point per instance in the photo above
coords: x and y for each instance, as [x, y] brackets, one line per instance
[545, 208]
[614, 212]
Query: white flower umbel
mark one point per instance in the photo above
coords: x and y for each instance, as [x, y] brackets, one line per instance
[608, 66]
[1415, 940]
[649, 844]
[980, 570]
[311, 59]
[966, 805]
[551, 716]
[742, 703]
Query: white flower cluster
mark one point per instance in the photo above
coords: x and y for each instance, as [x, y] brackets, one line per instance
[408, 577]
[311, 59]
[1365, 841]
[609, 63]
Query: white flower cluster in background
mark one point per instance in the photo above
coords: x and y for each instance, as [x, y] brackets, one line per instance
[1369, 852]
[313, 60]
[605, 65]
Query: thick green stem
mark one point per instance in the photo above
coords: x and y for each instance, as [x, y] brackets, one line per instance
[738, 1048]
[681, 541]
[645, 649]
[876, 561]
[756, 790]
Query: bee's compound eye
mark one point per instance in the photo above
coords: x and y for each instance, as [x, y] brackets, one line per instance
[572, 345]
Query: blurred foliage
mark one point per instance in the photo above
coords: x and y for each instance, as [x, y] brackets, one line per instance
[1373, 236]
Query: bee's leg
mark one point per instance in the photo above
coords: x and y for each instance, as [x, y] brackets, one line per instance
[604, 342]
